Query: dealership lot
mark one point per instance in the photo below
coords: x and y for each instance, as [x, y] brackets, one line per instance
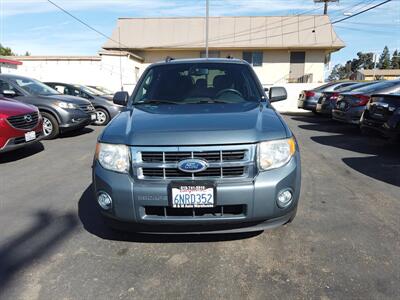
[344, 242]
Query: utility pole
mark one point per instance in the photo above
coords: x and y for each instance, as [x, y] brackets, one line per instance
[207, 21]
[326, 3]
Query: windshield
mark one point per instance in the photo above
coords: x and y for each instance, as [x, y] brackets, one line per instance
[35, 87]
[198, 83]
[377, 86]
[354, 86]
[102, 90]
[87, 90]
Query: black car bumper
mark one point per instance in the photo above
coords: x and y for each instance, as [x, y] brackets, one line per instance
[389, 129]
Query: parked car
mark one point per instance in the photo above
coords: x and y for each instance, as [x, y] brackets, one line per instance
[198, 149]
[308, 98]
[20, 125]
[382, 115]
[105, 108]
[350, 105]
[61, 113]
[327, 101]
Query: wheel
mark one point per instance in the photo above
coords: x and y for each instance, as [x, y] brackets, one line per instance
[50, 126]
[102, 117]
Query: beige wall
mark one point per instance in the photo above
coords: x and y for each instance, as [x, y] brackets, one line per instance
[275, 68]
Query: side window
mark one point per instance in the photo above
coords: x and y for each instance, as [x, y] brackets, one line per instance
[61, 89]
[143, 92]
[5, 86]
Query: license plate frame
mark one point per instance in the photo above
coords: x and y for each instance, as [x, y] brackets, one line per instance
[194, 185]
[30, 136]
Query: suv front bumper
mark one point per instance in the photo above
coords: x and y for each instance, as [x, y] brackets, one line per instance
[258, 195]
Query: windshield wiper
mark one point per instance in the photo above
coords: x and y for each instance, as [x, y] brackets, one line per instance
[155, 101]
[211, 101]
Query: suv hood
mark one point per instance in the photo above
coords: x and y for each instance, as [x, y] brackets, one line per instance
[195, 124]
[9, 108]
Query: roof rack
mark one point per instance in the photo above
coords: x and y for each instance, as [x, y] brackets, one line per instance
[230, 57]
[168, 59]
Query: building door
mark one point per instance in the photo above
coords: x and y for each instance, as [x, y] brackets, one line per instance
[297, 61]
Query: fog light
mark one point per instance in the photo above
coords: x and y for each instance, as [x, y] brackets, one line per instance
[104, 200]
[284, 199]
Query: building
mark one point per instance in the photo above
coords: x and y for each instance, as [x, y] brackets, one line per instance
[8, 64]
[287, 49]
[281, 49]
[378, 74]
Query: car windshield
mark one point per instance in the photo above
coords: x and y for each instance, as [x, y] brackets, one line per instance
[376, 86]
[324, 87]
[189, 83]
[87, 90]
[354, 86]
[102, 90]
[95, 91]
[35, 87]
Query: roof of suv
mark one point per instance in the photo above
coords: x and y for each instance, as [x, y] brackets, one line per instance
[201, 60]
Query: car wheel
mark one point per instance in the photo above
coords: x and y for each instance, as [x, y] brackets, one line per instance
[50, 126]
[102, 117]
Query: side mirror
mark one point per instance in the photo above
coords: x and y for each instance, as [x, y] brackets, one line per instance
[121, 98]
[277, 94]
[9, 93]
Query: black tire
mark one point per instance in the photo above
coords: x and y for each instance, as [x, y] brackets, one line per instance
[104, 117]
[51, 128]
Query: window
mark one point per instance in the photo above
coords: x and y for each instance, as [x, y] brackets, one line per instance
[200, 82]
[254, 58]
[5, 86]
[211, 54]
[34, 87]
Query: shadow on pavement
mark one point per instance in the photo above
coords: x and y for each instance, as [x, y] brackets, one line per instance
[36, 242]
[382, 165]
[21, 153]
[75, 133]
[92, 221]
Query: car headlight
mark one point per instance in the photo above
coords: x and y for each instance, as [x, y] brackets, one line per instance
[275, 154]
[66, 105]
[113, 157]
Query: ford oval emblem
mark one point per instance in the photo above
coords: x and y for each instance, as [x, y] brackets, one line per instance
[192, 165]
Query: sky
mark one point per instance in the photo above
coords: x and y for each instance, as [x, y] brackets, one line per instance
[42, 29]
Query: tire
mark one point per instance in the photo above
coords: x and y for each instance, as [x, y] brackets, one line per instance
[51, 129]
[103, 117]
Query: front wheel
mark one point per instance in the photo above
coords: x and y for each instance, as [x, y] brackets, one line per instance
[51, 128]
[102, 117]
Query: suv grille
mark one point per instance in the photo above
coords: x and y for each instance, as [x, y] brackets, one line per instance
[26, 121]
[87, 108]
[223, 162]
[208, 156]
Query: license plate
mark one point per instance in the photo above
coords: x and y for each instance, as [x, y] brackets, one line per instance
[93, 117]
[189, 195]
[30, 136]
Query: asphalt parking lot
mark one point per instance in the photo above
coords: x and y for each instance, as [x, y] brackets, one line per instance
[344, 242]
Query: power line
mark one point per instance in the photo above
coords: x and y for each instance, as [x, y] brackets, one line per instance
[361, 12]
[85, 24]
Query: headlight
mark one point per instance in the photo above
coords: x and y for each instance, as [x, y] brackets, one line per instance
[275, 154]
[113, 157]
[66, 105]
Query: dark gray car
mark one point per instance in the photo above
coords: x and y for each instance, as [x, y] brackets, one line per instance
[308, 98]
[198, 149]
[105, 108]
[327, 101]
[61, 113]
[351, 105]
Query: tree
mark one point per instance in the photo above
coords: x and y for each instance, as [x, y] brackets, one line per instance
[364, 61]
[395, 62]
[384, 59]
[27, 53]
[5, 51]
[339, 72]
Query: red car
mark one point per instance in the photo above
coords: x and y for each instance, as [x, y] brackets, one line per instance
[20, 125]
